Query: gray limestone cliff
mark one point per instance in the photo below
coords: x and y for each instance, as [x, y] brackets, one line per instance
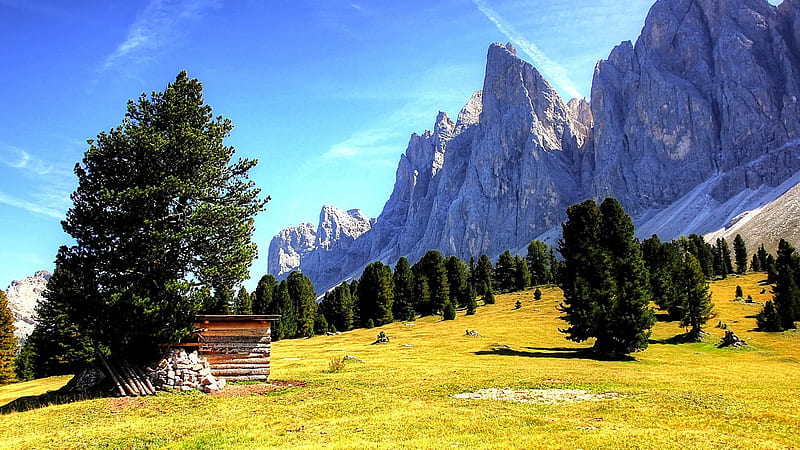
[693, 126]
[23, 296]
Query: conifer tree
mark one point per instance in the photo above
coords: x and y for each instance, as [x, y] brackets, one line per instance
[337, 306]
[488, 296]
[8, 342]
[432, 267]
[287, 326]
[449, 312]
[740, 254]
[483, 274]
[763, 257]
[537, 294]
[522, 277]
[539, 261]
[505, 272]
[704, 253]
[472, 303]
[263, 295]
[696, 300]
[304, 299]
[422, 294]
[768, 319]
[458, 280]
[162, 218]
[404, 298]
[787, 289]
[244, 302]
[722, 258]
[604, 279]
[755, 263]
[376, 293]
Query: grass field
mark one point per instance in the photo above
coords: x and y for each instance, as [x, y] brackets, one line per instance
[398, 395]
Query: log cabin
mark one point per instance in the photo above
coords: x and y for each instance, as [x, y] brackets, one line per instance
[236, 346]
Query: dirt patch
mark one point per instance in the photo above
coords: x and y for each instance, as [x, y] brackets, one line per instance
[243, 390]
[539, 396]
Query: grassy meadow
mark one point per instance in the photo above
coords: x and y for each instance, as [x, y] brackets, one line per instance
[398, 395]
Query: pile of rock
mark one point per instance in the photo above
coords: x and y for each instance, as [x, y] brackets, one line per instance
[184, 371]
[731, 340]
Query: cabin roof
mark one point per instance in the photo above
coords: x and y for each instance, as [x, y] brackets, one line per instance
[236, 318]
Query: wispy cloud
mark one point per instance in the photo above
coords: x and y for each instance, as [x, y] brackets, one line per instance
[369, 143]
[160, 24]
[33, 184]
[550, 68]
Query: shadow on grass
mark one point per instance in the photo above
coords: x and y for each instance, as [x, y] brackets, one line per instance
[556, 352]
[59, 397]
[678, 339]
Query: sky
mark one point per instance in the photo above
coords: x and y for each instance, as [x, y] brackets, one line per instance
[324, 93]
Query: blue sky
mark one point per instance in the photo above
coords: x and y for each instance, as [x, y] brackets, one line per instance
[325, 93]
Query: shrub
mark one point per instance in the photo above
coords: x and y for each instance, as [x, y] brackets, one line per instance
[537, 294]
[518, 305]
[449, 312]
[370, 323]
[336, 364]
[739, 292]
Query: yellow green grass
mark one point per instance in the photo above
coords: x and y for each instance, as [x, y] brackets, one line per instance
[398, 395]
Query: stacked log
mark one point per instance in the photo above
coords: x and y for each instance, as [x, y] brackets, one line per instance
[128, 378]
[184, 371]
[238, 350]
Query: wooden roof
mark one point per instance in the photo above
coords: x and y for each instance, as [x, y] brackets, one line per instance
[236, 318]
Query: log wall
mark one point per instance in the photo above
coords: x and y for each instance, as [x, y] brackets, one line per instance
[237, 347]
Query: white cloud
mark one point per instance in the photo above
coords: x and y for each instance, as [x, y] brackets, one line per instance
[550, 68]
[18, 158]
[35, 185]
[31, 206]
[158, 25]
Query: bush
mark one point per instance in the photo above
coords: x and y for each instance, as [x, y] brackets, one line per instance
[518, 305]
[336, 364]
[768, 319]
[537, 294]
[370, 323]
[739, 292]
[449, 312]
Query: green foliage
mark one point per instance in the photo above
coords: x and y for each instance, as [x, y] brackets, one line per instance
[376, 293]
[604, 279]
[665, 264]
[755, 263]
[472, 303]
[692, 289]
[8, 342]
[24, 367]
[539, 261]
[488, 295]
[768, 319]
[244, 302]
[337, 306]
[458, 279]
[787, 285]
[522, 277]
[722, 258]
[740, 254]
[537, 294]
[320, 324]
[404, 304]
[160, 217]
[483, 274]
[763, 258]
[449, 312]
[304, 299]
[739, 292]
[431, 266]
[704, 253]
[263, 296]
[370, 323]
[287, 326]
[505, 272]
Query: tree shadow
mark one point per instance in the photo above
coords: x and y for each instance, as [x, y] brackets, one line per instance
[58, 397]
[556, 352]
[684, 338]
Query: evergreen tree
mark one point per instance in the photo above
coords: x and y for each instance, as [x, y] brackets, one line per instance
[488, 296]
[704, 253]
[244, 302]
[320, 324]
[768, 319]
[482, 274]
[8, 342]
[740, 253]
[722, 258]
[472, 304]
[24, 363]
[763, 257]
[739, 292]
[422, 292]
[449, 312]
[771, 267]
[604, 279]
[665, 263]
[537, 294]
[505, 272]
[160, 215]
[337, 306]
[404, 298]
[539, 263]
[458, 280]
[696, 299]
[755, 263]
[787, 290]
[522, 278]
[432, 267]
[376, 293]
[263, 295]
[304, 299]
[287, 326]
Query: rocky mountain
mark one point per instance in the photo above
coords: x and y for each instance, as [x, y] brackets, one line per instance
[23, 296]
[696, 124]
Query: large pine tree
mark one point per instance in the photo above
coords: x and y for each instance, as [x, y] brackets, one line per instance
[304, 300]
[693, 293]
[482, 275]
[787, 286]
[740, 254]
[8, 342]
[376, 294]
[404, 304]
[505, 272]
[161, 218]
[263, 296]
[538, 260]
[604, 279]
[431, 266]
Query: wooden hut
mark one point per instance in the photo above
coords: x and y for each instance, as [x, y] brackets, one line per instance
[237, 347]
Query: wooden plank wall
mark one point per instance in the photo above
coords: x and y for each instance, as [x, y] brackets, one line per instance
[237, 351]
